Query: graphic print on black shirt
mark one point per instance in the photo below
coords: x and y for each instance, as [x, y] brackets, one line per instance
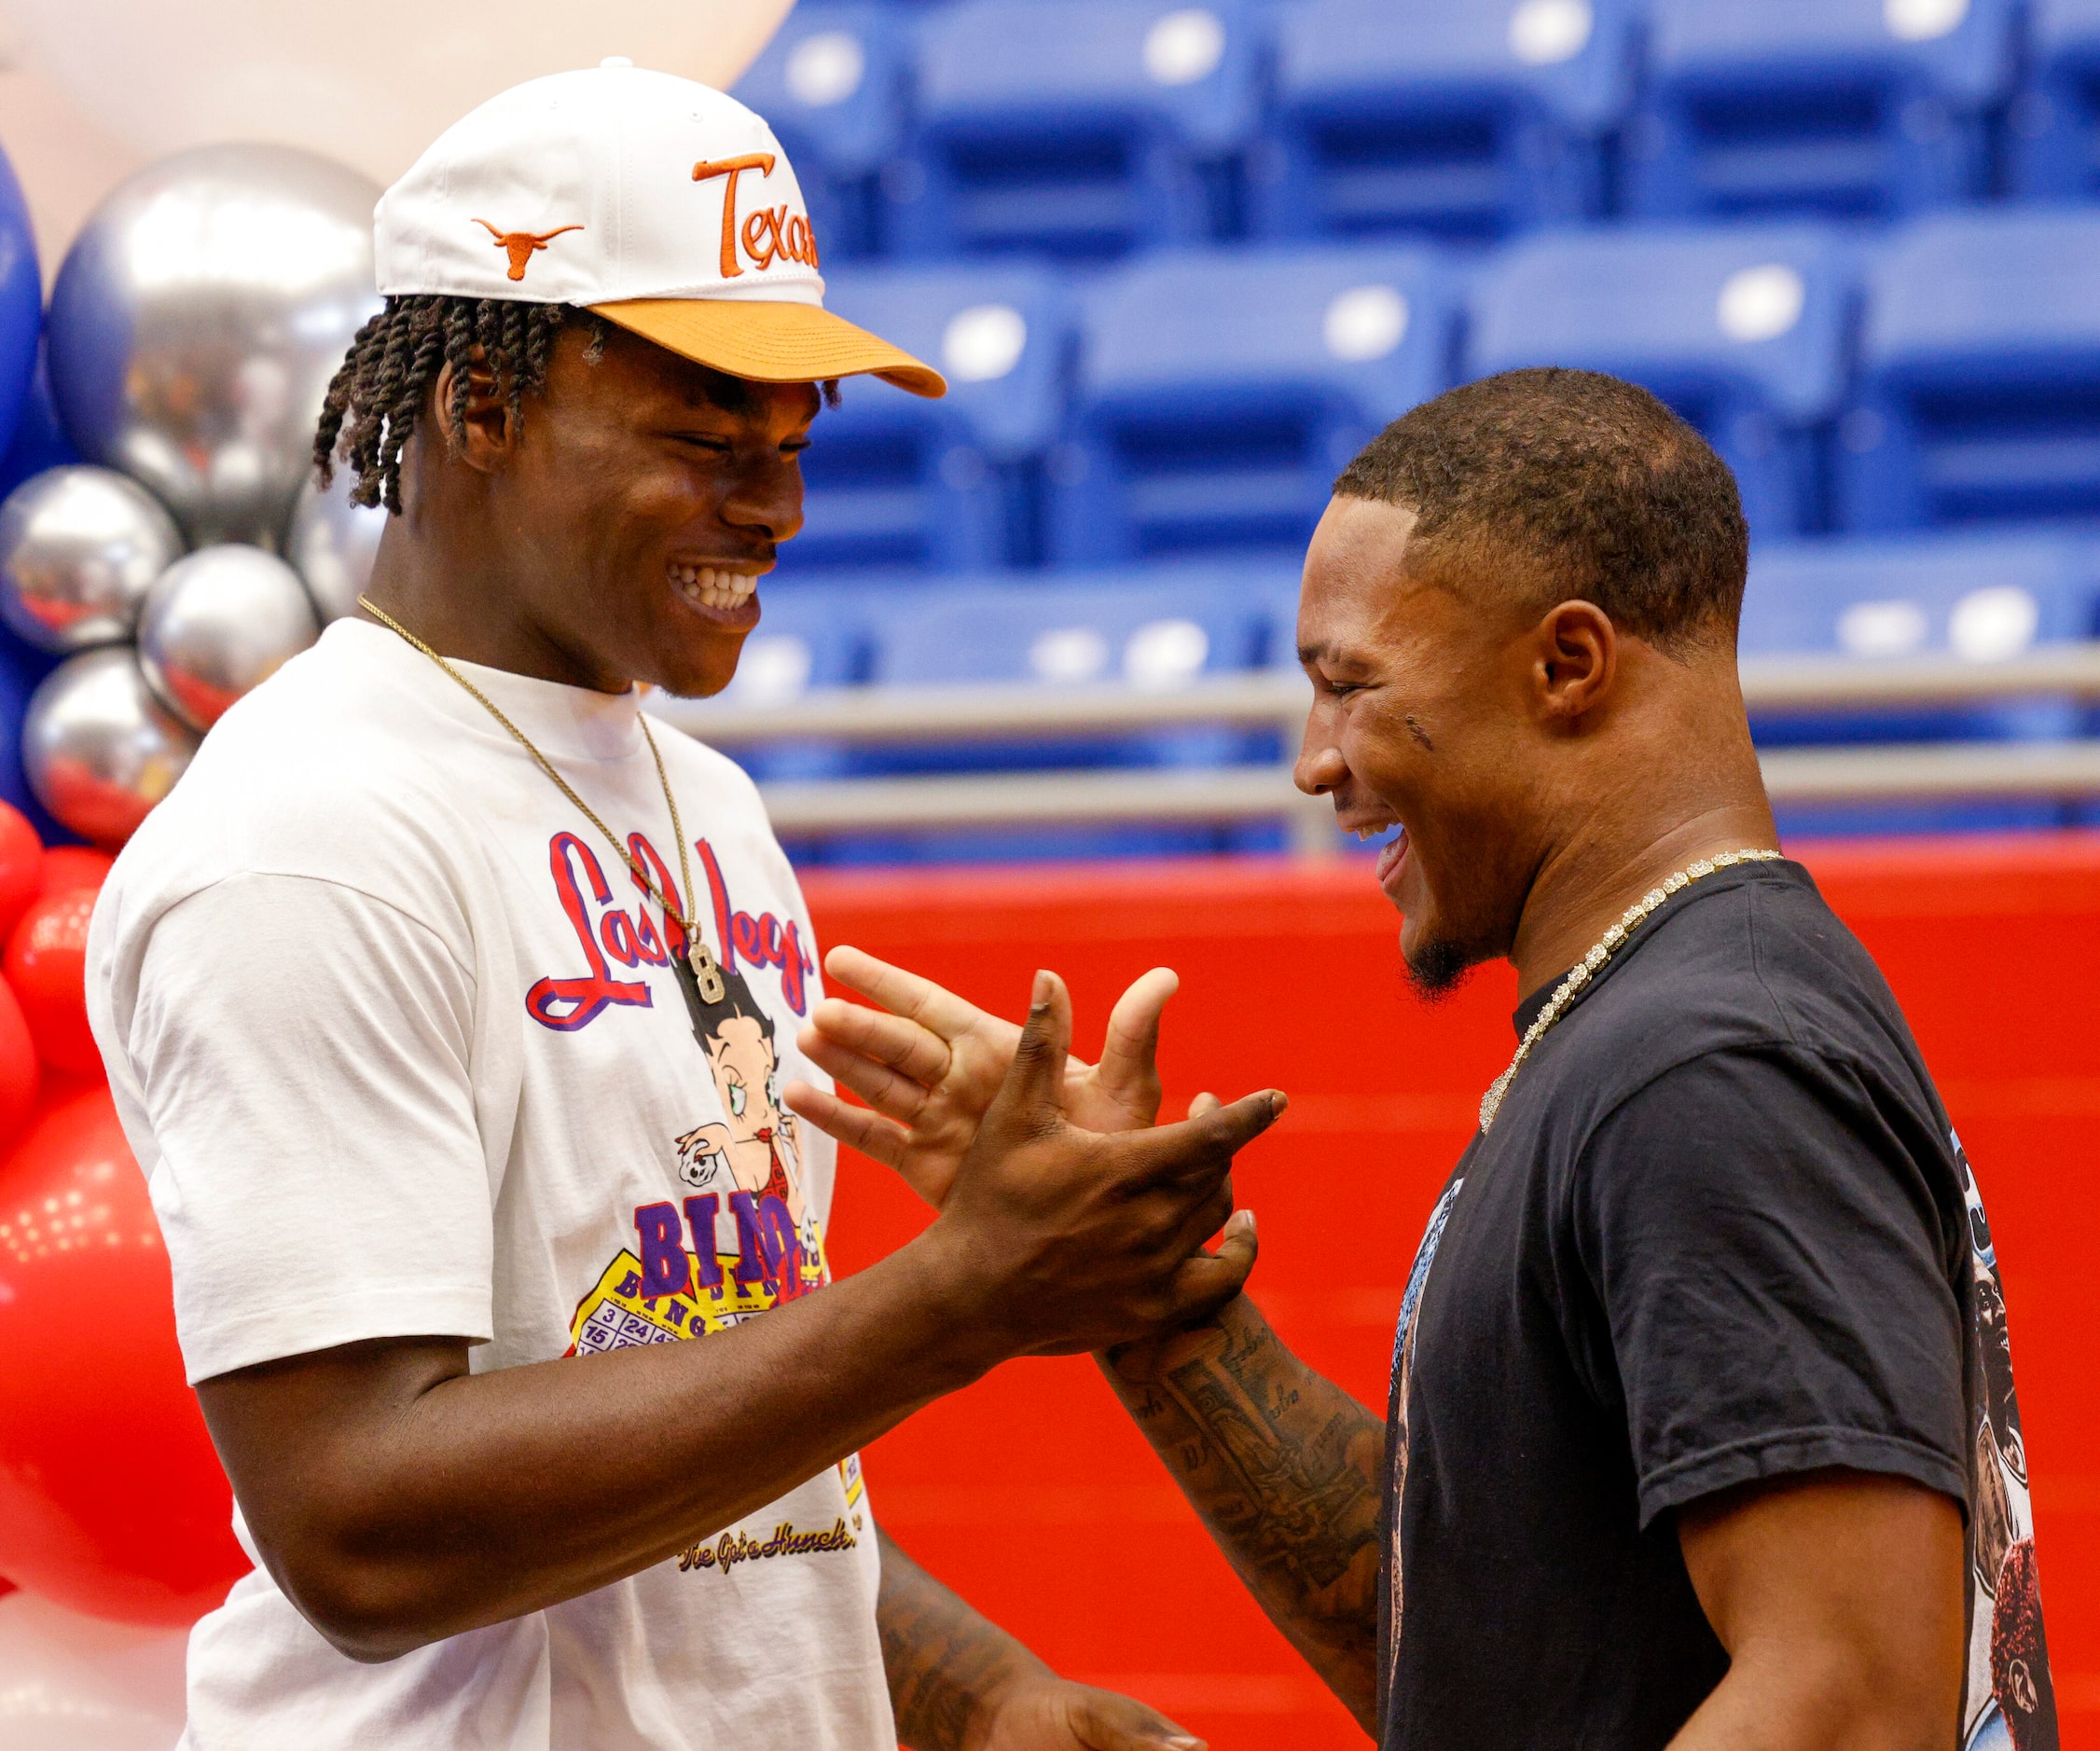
[1723, 1231]
[2010, 1700]
[1396, 1412]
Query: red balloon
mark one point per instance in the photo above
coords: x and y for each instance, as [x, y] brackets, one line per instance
[46, 963]
[67, 866]
[22, 1077]
[22, 864]
[111, 1501]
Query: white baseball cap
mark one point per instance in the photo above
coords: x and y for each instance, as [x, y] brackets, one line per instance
[663, 205]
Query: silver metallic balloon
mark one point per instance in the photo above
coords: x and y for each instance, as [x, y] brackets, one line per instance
[79, 547]
[197, 321]
[333, 543]
[99, 749]
[217, 623]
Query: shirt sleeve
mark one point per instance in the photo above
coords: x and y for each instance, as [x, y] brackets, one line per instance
[301, 1053]
[1769, 1262]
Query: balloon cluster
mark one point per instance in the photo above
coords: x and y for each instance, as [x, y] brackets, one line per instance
[191, 334]
[111, 1501]
[162, 549]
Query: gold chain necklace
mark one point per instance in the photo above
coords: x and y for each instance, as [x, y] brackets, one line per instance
[699, 975]
[1609, 944]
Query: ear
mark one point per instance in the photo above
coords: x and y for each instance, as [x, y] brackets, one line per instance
[488, 435]
[1574, 660]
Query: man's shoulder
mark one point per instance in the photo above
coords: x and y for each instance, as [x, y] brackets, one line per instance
[1764, 966]
[314, 773]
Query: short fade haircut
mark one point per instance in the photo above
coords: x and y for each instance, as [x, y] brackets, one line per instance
[1589, 487]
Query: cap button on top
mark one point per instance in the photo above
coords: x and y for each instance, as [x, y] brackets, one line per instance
[617, 60]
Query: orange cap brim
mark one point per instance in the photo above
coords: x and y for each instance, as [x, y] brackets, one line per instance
[771, 342]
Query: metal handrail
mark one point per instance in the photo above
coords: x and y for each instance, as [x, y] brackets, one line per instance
[1226, 795]
[1234, 793]
[934, 714]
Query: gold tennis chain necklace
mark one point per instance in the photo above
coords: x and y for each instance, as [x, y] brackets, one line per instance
[699, 973]
[1608, 944]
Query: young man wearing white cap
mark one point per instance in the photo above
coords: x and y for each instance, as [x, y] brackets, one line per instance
[446, 1002]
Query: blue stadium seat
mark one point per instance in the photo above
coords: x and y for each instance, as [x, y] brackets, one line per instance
[1464, 117]
[1152, 630]
[2054, 137]
[832, 84]
[1980, 596]
[1079, 128]
[1980, 373]
[1221, 391]
[949, 484]
[1847, 108]
[809, 637]
[1158, 630]
[1743, 330]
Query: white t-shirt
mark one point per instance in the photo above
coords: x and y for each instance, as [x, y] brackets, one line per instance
[394, 1037]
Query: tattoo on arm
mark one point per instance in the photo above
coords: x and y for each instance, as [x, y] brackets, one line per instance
[947, 1664]
[1287, 1472]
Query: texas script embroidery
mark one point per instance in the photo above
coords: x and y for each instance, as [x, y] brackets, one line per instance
[769, 234]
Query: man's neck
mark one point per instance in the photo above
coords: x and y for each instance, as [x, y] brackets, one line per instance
[1583, 887]
[465, 611]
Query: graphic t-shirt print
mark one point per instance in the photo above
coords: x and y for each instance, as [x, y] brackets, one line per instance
[1396, 1424]
[743, 1237]
[2012, 1697]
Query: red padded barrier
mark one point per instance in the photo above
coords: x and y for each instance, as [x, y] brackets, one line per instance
[1032, 1495]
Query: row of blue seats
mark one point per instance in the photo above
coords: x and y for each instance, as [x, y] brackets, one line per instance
[1094, 127]
[1981, 598]
[1203, 400]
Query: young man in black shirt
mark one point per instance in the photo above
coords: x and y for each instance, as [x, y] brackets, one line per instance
[1702, 1429]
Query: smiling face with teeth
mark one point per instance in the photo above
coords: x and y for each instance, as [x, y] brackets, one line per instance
[1421, 721]
[616, 532]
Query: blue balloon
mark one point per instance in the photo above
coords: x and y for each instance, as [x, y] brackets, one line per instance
[40, 441]
[21, 302]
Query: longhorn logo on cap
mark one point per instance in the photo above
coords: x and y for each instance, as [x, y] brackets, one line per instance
[523, 245]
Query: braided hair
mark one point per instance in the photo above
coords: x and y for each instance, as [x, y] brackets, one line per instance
[379, 392]
[384, 382]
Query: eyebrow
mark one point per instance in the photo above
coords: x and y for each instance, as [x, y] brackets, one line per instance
[718, 389]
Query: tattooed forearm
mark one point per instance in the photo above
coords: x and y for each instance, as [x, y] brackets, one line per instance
[947, 1665]
[1287, 1472]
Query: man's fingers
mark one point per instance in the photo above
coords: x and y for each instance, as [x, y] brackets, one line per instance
[1203, 1103]
[1128, 1072]
[1032, 1094]
[1206, 1218]
[1202, 1146]
[856, 1127]
[1208, 1280]
[1103, 1721]
[904, 1045]
[902, 993]
[895, 1097]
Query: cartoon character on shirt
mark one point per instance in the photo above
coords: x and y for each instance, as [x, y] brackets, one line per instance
[2012, 1695]
[756, 1150]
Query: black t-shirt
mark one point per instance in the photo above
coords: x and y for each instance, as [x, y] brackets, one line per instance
[1722, 1230]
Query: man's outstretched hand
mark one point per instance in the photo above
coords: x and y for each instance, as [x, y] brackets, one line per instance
[1058, 1716]
[1062, 1239]
[929, 1064]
